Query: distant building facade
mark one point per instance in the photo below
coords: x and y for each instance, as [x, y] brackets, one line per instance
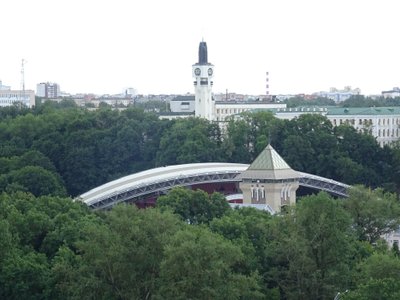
[225, 109]
[339, 95]
[182, 104]
[221, 110]
[4, 87]
[393, 238]
[393, 93]
[383, 123]
[12, 97]
[48, 90]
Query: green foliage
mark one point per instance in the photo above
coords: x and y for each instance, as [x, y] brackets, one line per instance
[35, 158]
[45, 105]
[377, 289]
[13, 111]
[88, 148]
[247, 137]
[194, 207]
[199, 264]
[311, 250]
[363, 160]
[6, 240]
[85, 148]
[189, 141]
[54, 248]
[300, 101]
[38, 181]
[237, 145]
[24, 276]
[120, 258]
[154, 106]
[249, 229]
[377, 278]
[310, 144]
[395, 250]
[26, 226]
[374, 212]
[32, 172]
[378, 266]
[362, 101]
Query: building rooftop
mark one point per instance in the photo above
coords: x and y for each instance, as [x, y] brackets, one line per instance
[333, 111]
[184, 98]
[363, 111]
[269, 165]
[170, 113]
[161, 174]
[269, 159]
[241, 102]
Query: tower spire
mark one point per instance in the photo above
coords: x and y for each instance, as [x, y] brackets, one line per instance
[203, 59]
[203, 73]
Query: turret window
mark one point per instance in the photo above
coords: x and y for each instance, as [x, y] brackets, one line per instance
[257, 193]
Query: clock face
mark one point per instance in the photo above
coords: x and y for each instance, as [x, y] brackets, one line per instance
[197, 71]
[210, 71]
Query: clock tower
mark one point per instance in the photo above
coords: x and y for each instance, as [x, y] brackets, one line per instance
[203, 73]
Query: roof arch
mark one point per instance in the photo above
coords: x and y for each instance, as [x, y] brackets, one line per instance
[161, 179]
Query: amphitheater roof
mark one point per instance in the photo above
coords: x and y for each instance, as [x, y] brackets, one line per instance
[160, 174]
[162, 179]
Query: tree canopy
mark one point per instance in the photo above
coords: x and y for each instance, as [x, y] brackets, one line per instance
[54, 248]
[83, 149]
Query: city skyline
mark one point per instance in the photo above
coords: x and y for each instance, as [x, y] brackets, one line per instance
[102, 47]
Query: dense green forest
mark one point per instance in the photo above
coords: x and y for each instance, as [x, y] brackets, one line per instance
[59, 149]
[192, 245]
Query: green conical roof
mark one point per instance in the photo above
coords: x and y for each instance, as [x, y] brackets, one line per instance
[269, 159]
[269, 165]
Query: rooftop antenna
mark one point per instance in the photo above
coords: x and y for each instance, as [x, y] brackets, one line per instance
[23, 79]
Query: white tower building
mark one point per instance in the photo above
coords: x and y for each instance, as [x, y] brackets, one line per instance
[203, 72]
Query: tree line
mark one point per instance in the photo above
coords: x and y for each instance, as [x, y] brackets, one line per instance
[195, 246]
[59, 149]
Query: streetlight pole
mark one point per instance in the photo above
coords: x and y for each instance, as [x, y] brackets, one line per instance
[337, 297]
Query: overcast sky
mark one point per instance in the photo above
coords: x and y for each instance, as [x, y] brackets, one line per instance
[104, 46]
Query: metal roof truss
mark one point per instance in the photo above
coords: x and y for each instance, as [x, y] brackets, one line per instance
[157, 187]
